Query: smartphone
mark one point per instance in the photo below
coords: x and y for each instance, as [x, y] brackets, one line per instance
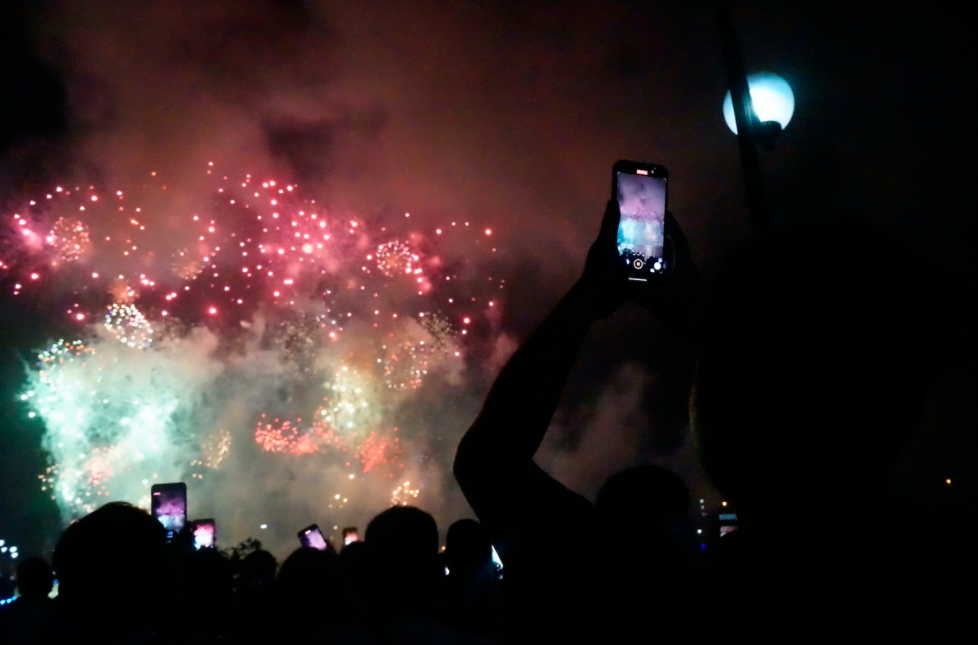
[205, 534]
[169, 505]
[496, 561]
[350, 535]
[312, 536]
[727, 523]
[640, 189]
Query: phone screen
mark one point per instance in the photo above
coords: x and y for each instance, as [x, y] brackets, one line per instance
[496, 561]
[728, 523]
[641, 235]
[312, 536]
[169, 506]
[350, 535]
[205, 534]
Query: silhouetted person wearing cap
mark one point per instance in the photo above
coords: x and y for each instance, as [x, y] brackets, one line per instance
[555, 589]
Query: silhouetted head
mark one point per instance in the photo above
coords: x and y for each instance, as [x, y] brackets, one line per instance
[403, 549]
[468, 550]
[353, 564]
[34, 578]
[642, 491]
[206, 592]
[643, 513]
[815, 370]
[114, 553]
[308, 575]
[258, 569]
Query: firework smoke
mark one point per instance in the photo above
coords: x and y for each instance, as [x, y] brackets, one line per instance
[291, 351]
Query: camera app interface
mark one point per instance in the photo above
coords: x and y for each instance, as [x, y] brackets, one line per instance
[642, 200]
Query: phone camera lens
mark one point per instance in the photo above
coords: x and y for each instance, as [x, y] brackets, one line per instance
[638, 264]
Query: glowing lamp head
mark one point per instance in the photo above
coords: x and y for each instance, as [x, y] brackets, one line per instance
[771, 96]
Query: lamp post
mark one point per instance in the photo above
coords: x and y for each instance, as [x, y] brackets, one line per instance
[749, 128]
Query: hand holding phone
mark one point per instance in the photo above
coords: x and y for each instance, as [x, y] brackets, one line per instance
[640, 190]
[601, 288]
[660, 271]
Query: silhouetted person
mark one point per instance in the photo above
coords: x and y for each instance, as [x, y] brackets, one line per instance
[822, 345]
[21, 620]
[353, 568]
[555, 590]
[207, 596]
[256, 598]
[112, 583]
[469, 589]
[468, 552]
[402, 545]
[348, 624]
[648, 551]
[306, 588]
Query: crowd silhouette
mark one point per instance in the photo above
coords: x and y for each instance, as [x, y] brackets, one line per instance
[813, 352]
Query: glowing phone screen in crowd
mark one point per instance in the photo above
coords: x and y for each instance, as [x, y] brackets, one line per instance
[313, 537]
[169, 505]
[204, 535]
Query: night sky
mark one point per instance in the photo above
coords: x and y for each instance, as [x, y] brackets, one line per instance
[511, 113]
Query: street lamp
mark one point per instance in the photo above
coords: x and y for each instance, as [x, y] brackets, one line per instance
[771, 97]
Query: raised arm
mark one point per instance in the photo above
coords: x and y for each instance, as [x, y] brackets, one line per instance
[495, 455]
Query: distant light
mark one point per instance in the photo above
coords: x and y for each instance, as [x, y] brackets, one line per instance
[947, 481]
[263, 526]
[212, 310]
[771, 96]
[723, 504]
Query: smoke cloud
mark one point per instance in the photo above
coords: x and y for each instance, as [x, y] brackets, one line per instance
[504, 114]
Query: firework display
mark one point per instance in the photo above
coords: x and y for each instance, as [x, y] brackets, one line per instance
[126, 323]
[69, 238]
[261, 323]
